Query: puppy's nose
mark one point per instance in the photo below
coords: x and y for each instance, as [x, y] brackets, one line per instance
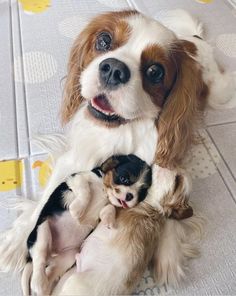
[129, 197]
[113, 73]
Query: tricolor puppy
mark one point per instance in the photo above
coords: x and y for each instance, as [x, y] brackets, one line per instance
[72, 212]
[127, 183]
[113, 260]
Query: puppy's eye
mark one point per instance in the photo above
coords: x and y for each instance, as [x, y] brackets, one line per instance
[124, 180]
[155, 73]
[103, 42]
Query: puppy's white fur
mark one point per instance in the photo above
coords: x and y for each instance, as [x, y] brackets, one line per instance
[62, 235]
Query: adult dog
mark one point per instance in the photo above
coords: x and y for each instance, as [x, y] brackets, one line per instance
[132, 87]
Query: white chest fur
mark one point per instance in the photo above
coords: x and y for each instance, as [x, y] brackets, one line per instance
[91, 144]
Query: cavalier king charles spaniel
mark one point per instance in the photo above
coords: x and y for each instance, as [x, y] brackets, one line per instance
[133, 87]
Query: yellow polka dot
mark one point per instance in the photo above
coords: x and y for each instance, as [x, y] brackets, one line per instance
[35, 6]
[205, 1]
[11, 174]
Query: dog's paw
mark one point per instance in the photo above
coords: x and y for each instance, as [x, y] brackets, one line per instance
[109, 221]
[40, 285]
[77, 211]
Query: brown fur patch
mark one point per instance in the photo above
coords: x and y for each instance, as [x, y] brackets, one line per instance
[175, 203]
[190, 47]
[139, 231]
[182, 111]
[84, 51]
[117, 190]
[108, 180]
[154, 54]
[109, 164]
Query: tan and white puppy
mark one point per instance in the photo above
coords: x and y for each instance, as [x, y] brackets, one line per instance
[72, 212]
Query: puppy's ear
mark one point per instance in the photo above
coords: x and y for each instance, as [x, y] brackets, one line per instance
[109, 164]
[182, 110]
[175, 203]
[114, 161]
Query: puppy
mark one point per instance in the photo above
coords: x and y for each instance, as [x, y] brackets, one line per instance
[72, 212]
[112, 261]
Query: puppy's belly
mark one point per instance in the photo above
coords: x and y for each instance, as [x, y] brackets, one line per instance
[66, 232]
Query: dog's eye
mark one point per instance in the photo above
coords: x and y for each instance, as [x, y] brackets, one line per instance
[155, 73]
[124, 180]
[103, 42]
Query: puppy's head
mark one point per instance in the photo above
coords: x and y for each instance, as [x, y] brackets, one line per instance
[124, 67]
[127, 180]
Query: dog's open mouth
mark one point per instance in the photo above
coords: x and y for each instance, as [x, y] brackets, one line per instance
[123, 204]
[101, 109]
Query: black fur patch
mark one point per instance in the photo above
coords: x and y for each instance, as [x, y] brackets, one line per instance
[147, 184]
[178, 181]
[196, 36]
[97, 171]
[53, 206]
[129, 167]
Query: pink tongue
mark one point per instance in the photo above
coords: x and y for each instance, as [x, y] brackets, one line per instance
[103, 104]
[124, 204]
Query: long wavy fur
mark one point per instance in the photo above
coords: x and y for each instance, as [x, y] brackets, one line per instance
[13, 248]
[178, 244]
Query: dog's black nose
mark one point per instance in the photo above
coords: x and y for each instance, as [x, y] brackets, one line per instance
[113, 73]
[129, 197]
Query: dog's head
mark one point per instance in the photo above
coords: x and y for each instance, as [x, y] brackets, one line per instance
[125, 67]
[127, 179]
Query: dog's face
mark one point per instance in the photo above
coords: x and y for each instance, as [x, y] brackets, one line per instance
[127, 180]
[131, 72]
[125, 67]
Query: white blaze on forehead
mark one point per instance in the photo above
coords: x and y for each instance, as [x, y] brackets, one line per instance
[130, 101]
[147, 31]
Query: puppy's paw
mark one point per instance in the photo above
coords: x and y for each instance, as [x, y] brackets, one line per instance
[40, 284]
[108, 216]
[77, 211]
[108, 220]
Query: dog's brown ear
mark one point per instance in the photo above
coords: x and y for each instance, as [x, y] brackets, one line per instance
[182, 111]
[109, 164]
[175, 203]
[81, 54]
[181, 213]
[72, 97]
[114, 161]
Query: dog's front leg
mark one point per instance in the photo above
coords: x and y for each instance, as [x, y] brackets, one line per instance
[39, 253]
[81, 190]
[108, 216]
[175, 246]
[58, 266]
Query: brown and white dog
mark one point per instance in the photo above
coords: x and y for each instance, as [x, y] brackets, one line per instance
[133, 86]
